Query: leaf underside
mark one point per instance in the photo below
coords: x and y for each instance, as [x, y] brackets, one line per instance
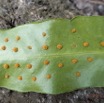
[53, 56]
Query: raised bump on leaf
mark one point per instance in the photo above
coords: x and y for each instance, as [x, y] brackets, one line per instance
[73, 30]
[89, 59]
[17, 65]
[74, 61]
[29, 66]
[85, 44]
[7, 76]
[18, 38]
[20, 78]
[3, 47]
[59, 46]
[6, 39]
[78, 74]
[102, 43]
[48, 76]
[44, 34]
[15, 49]
[60, 65]
[6, 66]
[34, 78]
[46, 62]
[29, 47]
[45, 47]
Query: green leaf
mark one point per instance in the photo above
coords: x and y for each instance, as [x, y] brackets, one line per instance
[53, 56]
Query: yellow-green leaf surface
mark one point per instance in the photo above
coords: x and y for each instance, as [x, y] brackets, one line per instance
[53, 56]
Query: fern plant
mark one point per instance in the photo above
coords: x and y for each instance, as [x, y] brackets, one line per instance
[53, 56]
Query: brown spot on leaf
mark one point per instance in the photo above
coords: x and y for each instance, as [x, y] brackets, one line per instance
[85, 44]
[29, 47]
[6, 66]
[60, 65]
[89, 59]
[74, 61]
[6, 39]
[48, 76]
[46, 62]
[15, 49]
[59, 46]
[7, 76]
[29, 66]
[78, 74]
[18, 38]
[102, 43]
[44, 34]
[45, 47]
[17, 65]
[19, 77]
[73, 30]
[3, 47]
[34, 78]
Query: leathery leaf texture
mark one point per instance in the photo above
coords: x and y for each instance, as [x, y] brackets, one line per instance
[53, 56]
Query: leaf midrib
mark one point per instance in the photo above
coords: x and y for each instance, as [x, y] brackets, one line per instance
[68, 54]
